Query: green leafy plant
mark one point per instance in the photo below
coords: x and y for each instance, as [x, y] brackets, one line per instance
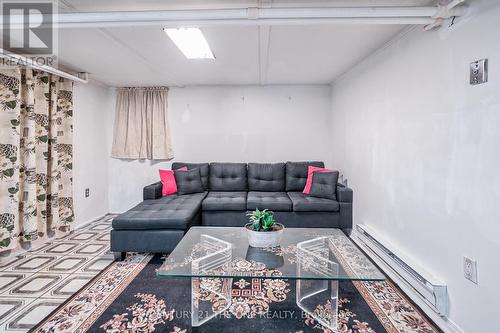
[262, 220]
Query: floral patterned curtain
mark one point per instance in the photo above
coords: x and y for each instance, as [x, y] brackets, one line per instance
[36, 155]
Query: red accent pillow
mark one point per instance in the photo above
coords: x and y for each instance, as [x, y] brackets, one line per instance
[168, 180]
[310, 171]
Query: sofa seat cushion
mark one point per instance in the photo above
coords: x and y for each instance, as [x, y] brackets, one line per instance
[169, 212]
[225, 201]
[277, 201]
[304, 203]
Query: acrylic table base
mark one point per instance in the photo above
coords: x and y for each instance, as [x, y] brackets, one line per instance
[318, 295]
[209, 298]
[319, 299]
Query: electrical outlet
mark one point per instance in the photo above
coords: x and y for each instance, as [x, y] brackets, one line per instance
[478, 72]
[470, 269]
[87, 193]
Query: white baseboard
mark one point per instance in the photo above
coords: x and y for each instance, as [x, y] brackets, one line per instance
[84, 224]
[445, 324]
[454, 328]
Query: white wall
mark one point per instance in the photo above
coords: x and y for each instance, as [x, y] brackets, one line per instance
[92, 105]
[237, 123]
[420, 147]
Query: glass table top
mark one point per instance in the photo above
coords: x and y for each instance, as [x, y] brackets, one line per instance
[316, 254]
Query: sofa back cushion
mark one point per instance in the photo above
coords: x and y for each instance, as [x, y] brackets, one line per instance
[296, 174]
[266, 177]
[228, 177]
[203, 170]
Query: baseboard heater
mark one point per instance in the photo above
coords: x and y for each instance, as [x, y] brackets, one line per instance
[431, 290]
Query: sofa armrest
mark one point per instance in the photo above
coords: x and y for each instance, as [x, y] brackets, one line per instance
[344, 194]
[152, 191]
[345, 197]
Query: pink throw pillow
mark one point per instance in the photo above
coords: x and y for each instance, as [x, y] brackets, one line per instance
[168, 180]
[310, 171]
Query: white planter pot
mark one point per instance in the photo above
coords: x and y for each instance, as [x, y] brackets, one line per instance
[264, 238]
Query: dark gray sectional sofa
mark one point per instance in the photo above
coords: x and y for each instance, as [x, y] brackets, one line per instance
[231, 190]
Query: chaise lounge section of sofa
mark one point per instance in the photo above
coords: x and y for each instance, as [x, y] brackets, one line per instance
[231, 190]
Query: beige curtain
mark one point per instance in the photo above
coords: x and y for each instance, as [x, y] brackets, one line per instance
[36, 155]
[141, 128]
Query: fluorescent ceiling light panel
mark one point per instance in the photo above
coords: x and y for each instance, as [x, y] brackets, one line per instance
[191, 42]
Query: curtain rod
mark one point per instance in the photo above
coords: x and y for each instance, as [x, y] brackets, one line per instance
[143, 88]
[30, 63]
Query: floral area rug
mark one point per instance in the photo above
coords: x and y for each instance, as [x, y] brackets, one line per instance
[129, 297]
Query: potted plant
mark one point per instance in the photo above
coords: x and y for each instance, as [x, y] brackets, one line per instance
[263, 230]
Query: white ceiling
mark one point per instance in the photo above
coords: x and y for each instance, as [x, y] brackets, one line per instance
[143, 56]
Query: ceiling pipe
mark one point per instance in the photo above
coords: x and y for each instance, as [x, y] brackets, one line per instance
[18, 59]
[250, 16]
[346, 12]
[446, 9]
[260, 22]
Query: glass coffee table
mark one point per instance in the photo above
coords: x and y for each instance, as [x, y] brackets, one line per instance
[317, 259]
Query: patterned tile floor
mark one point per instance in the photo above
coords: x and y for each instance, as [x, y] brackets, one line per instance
[34, 283]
